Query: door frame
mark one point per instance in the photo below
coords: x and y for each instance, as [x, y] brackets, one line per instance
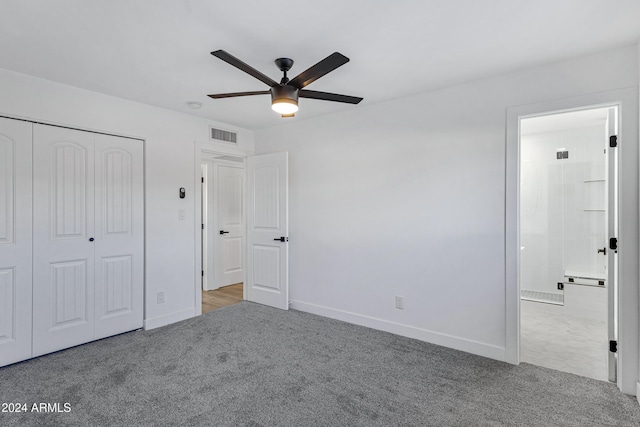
[204, 214]
[209, 150]
[628, 231]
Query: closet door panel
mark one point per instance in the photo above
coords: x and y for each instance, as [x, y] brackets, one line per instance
[120, 233]
[63, 253]
[15, 240]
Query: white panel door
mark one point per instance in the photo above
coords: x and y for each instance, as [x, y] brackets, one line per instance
[119, 235]
[63, 232]
[229, 223]
[15, 241]
[267, 230]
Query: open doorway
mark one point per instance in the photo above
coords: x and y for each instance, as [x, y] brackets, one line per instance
[623, 348]
[568, 210]
[222, 230]
[262, 253]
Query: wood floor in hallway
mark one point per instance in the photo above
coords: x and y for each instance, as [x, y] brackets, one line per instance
[222, 297]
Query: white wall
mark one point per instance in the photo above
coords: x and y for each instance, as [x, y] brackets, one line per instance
[407, 198]
[169, 164]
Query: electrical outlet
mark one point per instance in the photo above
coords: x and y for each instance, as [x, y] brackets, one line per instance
[399, 302]
[160, 297]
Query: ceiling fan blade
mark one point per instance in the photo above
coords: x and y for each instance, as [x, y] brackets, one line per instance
[323, 67]
[232, 60]
[234, 94]
[326, 96]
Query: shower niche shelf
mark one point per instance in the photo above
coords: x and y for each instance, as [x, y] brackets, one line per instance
[594, 195]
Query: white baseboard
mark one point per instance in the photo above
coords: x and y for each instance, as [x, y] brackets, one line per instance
[638, 391]
[167, 319]
[469, 346]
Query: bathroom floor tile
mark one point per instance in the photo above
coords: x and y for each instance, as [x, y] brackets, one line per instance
[553, 338]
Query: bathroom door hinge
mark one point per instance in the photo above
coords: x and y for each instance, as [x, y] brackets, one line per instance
[202, 226]
[202, 272]
[613, 141]
[613, 346]
[613, 244]
[202, 179]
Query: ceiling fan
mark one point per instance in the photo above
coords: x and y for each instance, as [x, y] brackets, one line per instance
[284, 95]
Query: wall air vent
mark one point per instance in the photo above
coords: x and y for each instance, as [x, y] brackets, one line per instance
[223, 135]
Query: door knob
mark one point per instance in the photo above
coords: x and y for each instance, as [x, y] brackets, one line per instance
[91, 239]
[603, 251]
[282, 239]
[223, 232]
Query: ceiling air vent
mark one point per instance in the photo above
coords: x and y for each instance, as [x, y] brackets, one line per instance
[224, 135]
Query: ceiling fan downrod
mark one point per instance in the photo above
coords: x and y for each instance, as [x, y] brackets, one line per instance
[284, 64]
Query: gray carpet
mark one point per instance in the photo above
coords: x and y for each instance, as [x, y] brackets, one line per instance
[250, 365]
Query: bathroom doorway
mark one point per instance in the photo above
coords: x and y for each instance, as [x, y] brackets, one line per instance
[568, 208]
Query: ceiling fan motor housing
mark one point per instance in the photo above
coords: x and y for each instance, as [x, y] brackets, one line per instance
[285, 94]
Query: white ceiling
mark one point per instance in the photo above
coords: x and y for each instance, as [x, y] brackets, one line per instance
[157, 51]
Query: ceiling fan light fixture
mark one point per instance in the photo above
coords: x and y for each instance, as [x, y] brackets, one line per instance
[284, 107]
[284, 99]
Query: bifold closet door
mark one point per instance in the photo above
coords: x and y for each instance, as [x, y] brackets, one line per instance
[15, 240]
[119, 238]
[63, 254]
[87, 255]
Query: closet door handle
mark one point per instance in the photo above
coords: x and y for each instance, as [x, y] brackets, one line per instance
[223, 232]
[603, 251]
[91, 239]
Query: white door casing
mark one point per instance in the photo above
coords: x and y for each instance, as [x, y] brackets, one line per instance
[267, 230]
[207, 232]
[15, 240]
[88, 237]
[229, 227]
